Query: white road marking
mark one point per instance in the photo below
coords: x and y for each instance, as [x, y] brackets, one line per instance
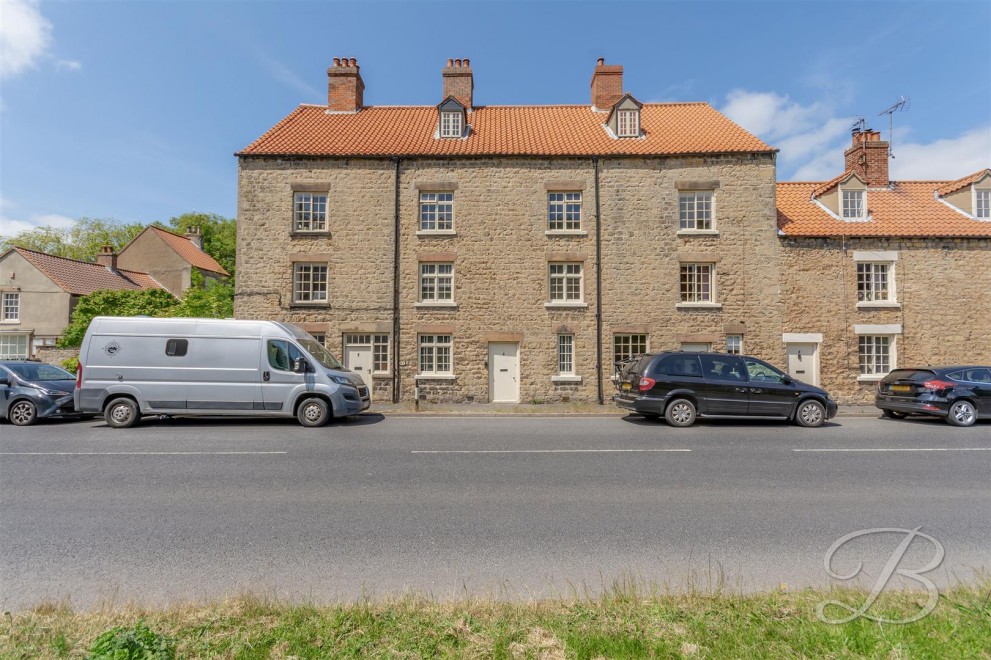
[138, 453]
[900, 449]
[542, 451]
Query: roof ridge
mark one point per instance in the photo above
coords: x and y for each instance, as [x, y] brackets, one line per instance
[500, 105]
[56, 256]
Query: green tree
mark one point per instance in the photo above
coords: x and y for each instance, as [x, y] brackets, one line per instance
[219, 235]
[213, 299]
[150, 302]
[83, 240]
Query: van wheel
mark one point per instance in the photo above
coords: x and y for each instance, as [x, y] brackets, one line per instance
[313, 413]
[893, 414]
[121, 413]
[680, 413]
[23, 413]
[810, 413]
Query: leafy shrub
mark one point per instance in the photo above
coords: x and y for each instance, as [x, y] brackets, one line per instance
[137, 643]
[71, 364]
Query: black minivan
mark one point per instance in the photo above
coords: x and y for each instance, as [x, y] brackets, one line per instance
[682, 386]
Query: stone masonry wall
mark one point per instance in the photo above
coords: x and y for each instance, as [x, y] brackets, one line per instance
[943, 287]
[501, 254]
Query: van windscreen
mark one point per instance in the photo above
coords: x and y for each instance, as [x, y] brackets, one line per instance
[319, 353]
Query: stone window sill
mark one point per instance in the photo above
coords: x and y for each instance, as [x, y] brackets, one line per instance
[873, 378]
[381, 375]
[436, 232]
[319, 233]
[10, 322]
[879, 304]
[564, 233]
[698, 232]
[306, 305]
[436, 305]
[565, 305]
[704, 305]
[434, 377]
[566, 379]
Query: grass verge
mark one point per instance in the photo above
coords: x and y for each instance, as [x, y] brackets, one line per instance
[619, 624]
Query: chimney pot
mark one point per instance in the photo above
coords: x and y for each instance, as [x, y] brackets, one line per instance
[601, 61]
[354, 62]
[450, 62]
[466, 62]
[337, 61]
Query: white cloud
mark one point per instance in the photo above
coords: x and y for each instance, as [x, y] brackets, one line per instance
[25, 36]
[812, 140]
[10, 226]
[944, 159]
[68, 65]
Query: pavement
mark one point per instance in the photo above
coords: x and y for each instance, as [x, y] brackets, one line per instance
[544, 409]
[509, 507]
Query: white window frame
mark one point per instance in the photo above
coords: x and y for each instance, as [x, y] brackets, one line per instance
[377, 343]
[10, 312]
[870, 275]
[982, 203]
[628, 123]
[11, 343]
[450, 124]
[734, 344]
[697, 283]
[436, 212]
[870, 365]
[312, 293]
[696, 207]
[853, 201]
[562, 275]
[565, 354]
[309, 212]
[433, 346]
[629, 339]
[564, 211]
[437, 275]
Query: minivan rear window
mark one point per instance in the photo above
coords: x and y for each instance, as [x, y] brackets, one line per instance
[679, 365]
[176, 347]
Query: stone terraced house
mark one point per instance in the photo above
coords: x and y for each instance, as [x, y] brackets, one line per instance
[514, 253]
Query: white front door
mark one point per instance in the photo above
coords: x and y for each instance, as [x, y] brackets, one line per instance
[358, 359]
[504, 372]
[803, 363]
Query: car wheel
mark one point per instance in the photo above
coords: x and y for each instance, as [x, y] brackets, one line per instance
[121, 413]
[313, 413]
[893, 414]
[810, 413]
[962, 413]
[680, 412]
[23, 413]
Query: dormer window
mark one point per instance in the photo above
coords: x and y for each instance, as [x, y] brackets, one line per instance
[854, 207]
[628, 123]
[450, 124]
[982, 204]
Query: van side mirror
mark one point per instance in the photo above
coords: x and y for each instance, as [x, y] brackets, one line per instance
[4, 380]
[300, 366]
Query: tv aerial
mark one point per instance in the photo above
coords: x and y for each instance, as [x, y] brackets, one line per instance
[901, 104]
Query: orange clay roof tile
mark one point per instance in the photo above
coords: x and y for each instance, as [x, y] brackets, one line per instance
[832, 183]
[82, 277]
[565, 130]
[907, 208]
[954, 186]
[188, 251]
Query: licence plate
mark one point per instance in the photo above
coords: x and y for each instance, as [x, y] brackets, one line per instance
[901, 388]
[627, 387]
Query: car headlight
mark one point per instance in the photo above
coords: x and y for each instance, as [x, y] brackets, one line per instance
[52, 392]
[341, 380]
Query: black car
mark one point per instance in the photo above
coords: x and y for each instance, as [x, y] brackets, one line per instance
[30, 391]
[682, 386]
[960, 394]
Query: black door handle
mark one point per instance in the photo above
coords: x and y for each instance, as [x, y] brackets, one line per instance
[266, 375]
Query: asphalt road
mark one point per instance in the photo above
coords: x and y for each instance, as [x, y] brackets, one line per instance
[492, 506]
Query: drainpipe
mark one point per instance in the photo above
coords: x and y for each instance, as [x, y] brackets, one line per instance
[395, 288]
[598, 282]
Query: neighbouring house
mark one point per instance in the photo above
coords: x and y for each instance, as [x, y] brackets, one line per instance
[171, 258]
[877, 274]
[461, 252]
[38, 292]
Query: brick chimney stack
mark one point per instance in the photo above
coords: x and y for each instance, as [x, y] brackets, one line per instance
[607, 85]
[195, 237]
[868, 157]
[345, 89]
[458, 81]
[107, 258]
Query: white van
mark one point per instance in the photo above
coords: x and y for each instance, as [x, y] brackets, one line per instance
[133, 366]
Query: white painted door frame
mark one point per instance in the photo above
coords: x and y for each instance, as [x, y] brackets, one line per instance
[504, 372]
[803, 361]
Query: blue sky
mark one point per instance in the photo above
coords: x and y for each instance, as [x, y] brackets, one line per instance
[132, 110]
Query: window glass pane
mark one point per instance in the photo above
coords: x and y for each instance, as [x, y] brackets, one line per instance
[734, 344]
[565, 354]
[982, 203]
[874, 355]
[10, 309]
[696, 283]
